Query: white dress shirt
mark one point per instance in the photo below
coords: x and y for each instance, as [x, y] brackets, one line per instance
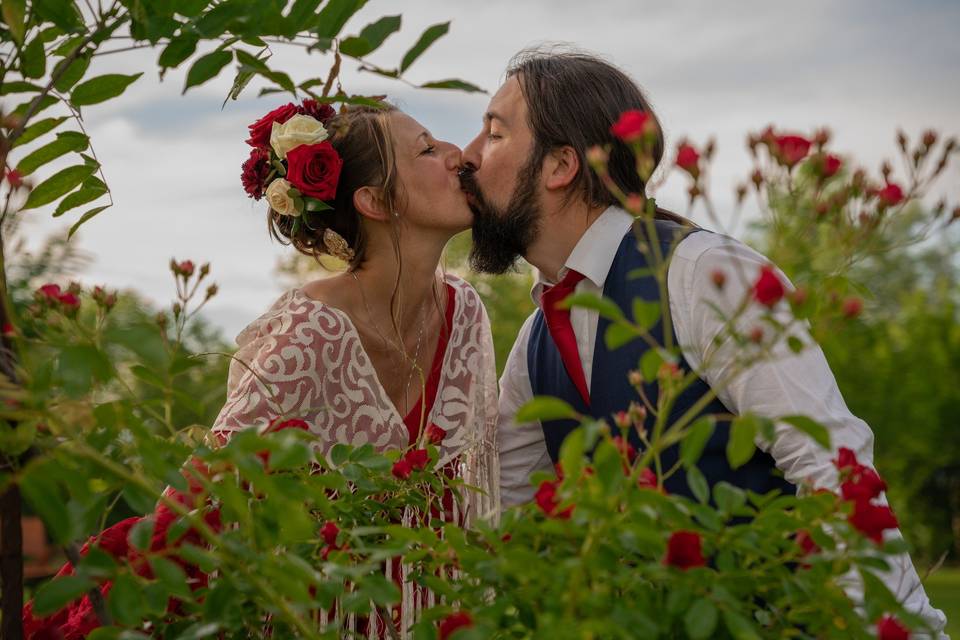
[785, 384]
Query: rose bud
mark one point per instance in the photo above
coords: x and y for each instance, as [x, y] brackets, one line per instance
[756, 335]
[635, 203]
[741, 193]
[821, 136]
[768, 289]
[186, 268]
[636, 378]
[632, 126]
[638, 413]
[929, 138]
[597, 156]
[891, 195]
[757, 178]
[719, 278]
[831, 165]
[435, 435]
[684, 550]
[821, 209]
[14, 178]
[205, 269]
[329, 533]
[902, 140]
[688, 159]
[212, 291]
[622, 419]
[161, 320]
[177, 309]
[852, 307]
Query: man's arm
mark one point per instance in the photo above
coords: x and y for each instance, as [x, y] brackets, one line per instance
[522, 448]
[784, 384]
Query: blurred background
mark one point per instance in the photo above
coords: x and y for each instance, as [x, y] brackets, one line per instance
[721, 70]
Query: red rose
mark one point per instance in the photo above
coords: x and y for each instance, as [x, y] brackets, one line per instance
[872, 520]
[435, 434]
[791, 149]
[846, 459]
[684, 550]
[454, 621]
[647, 479]
[314, 170]
[768, 289]
[14, 178]
[626, 449]
[891, 195]
[632, 125]
[316, 110]
[329, 533]
[546, 499]
[70, 301]
[863, 485]
[50, 291]
[292, 423]
[889, 628]
[8, 329]
[260, 130]
[806, 543]
[401, 469]
[255, 170]
[831, 165]
[852, 307]
[688, 159]
[417, 459]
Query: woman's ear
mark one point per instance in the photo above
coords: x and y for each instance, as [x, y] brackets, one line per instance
[562, 166]
[368, 201]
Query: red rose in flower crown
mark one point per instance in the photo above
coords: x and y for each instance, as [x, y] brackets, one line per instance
[314, 170]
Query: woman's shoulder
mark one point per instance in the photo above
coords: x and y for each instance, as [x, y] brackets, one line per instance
[290, 314]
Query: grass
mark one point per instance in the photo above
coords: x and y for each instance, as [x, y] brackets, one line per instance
[943, 588]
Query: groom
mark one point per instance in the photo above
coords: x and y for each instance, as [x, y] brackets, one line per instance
[533, 195]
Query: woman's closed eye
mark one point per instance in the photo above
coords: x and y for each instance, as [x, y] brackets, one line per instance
[430, 149]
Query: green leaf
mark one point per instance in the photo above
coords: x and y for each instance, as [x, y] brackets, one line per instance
[606, 307]
[302, 12]
[77, 198]
[65, 143]
[795, 344]
[206, 67]
[618, 335]
[178, 50]
[453, 84]
[650, 363]
[214, 22]
[37, 129]
[698, 485]
[738, 626]
[44, 103]
[382, 591]
[728, 498]
[79, 366]
[371, 37]
[62, 13]
[692, 445]
[19, 86]
[646, 314]
[86, 216]
[102, 88]
[126, 600]
[71, 74]
[58, 184]
[740, 446]
[335, 15]
[59, 592]
[810, 427]
[427, 38]
[545, 408]
[13, 14]
[141, 534]
[40, 490]
[171, 576]
[700, 621]
[33, 61]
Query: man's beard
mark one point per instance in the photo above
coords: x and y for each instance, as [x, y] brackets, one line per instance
[501, 236]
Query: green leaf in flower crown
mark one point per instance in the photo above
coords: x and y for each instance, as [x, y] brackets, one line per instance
[428, 37]
[206, 67]
[57, 593]
[545, 408]
[740, 446]
[102, 88]
[58, 184]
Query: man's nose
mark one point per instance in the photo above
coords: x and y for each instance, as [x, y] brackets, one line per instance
[471, 154]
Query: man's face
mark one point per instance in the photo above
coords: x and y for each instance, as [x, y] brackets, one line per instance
[502, 184]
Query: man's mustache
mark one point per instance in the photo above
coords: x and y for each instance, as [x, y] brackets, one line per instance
[468, 181]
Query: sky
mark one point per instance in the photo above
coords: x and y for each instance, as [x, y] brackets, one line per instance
[724, 69]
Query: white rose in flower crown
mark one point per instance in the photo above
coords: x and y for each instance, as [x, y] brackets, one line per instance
[298, 130]
[278, 198]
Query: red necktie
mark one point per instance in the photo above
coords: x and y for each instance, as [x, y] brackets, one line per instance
[558, 324]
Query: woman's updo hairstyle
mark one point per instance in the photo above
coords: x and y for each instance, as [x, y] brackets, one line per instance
[362, 138]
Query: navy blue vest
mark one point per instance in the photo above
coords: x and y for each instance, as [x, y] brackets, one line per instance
[610, 390]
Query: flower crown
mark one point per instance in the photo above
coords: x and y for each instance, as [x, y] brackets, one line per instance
[295, 167]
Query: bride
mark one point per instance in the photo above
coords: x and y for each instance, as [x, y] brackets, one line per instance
[392, 351]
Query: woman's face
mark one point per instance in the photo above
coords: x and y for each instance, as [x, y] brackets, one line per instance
[430, 196]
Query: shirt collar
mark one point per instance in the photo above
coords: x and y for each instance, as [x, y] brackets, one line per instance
[594, 252]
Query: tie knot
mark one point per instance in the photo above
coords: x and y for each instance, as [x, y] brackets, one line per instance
[569, 281]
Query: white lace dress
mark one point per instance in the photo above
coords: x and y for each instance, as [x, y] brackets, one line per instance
[304, 359]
